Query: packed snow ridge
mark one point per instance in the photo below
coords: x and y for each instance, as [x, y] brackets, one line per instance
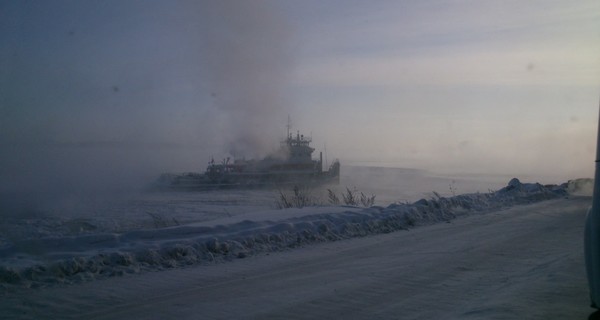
[90, 256]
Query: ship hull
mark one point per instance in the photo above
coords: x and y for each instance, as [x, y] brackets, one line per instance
[201, 182]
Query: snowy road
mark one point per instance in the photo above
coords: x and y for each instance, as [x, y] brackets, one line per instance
[522, 263]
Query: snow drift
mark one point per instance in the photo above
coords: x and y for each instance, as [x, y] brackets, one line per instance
[49, 260]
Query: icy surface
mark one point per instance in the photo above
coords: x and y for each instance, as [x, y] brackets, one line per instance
[92, 252]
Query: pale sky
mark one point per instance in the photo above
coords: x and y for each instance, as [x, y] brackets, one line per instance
[481, 86]
[124, 87]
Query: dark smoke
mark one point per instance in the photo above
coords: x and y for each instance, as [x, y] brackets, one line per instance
[249, 63]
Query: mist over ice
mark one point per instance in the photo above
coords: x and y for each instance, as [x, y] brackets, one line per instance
[103, 97]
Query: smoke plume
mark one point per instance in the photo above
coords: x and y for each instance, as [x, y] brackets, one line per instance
[249, 62]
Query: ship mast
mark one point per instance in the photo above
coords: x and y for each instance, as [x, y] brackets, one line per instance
[289, 127]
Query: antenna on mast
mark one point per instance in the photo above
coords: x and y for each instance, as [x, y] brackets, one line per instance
[289, 127]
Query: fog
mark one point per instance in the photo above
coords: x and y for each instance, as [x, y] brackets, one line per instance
[98, 96]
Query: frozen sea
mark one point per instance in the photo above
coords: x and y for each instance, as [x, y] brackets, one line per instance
[85, 236]
[33, 215]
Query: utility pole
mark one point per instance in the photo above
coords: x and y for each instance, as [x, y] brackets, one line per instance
[592, 234]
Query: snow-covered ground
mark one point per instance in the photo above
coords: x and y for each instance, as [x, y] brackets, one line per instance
[39, 228]
[175, 233]
[93, 251]
[522, 262]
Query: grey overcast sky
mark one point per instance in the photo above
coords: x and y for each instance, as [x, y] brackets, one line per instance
[101, 89]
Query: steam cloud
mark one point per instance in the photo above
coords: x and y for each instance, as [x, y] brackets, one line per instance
[249, 63]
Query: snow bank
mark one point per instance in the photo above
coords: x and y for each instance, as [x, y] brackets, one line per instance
[45, 261]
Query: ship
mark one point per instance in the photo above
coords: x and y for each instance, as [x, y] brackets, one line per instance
[292, 165]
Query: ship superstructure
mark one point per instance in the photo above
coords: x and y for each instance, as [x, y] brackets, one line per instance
[292, 165]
